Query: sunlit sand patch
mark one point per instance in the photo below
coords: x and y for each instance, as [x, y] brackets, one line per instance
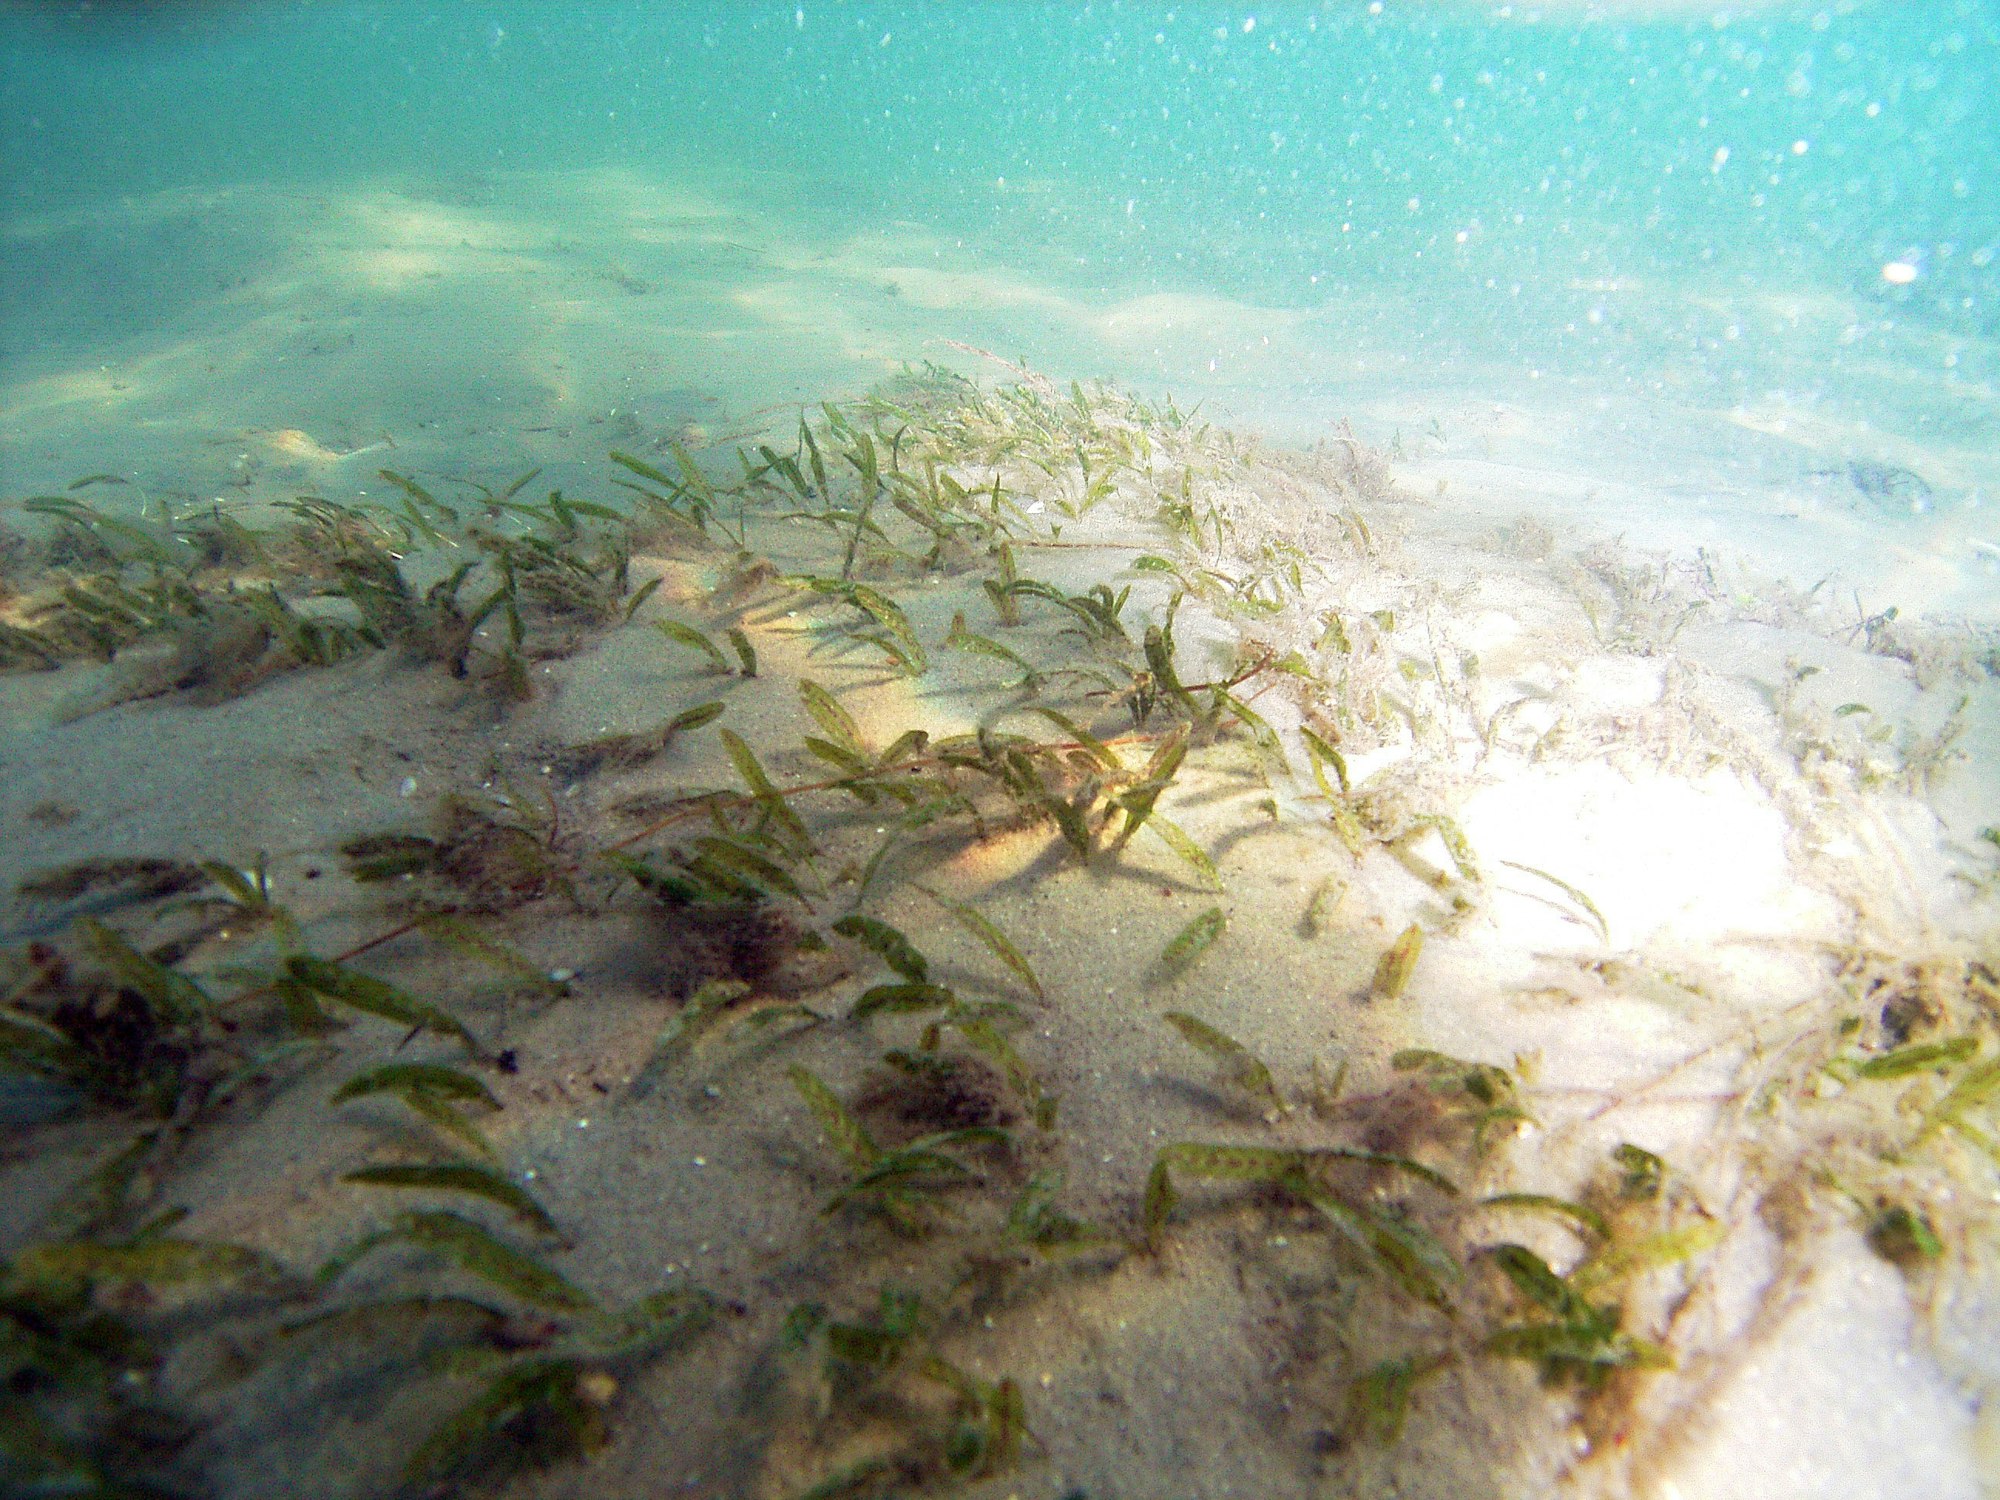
[387, 243]
[831, 314]
[1187, 315]
[295, 442]
[99, 387]
[387, 270]
[1003, 854]
[1850, 1316]
[924, 286]
[138, 211]
[1667, 860]
[407, 222]
[652, 203]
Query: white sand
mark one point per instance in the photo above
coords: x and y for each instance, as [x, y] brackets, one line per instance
[528, 322]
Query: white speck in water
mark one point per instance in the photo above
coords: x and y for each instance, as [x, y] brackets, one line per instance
[583, 1124]
[561, 976]
[701, 1161]
[1899, 272]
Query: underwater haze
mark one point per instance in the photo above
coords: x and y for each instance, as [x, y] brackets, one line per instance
[1685, 199]
[823, 751]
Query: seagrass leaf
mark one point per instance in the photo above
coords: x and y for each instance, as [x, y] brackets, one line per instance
[748, 864]
[398, 1317]
[476, 1251]
[457, 1177]
[702, 1010]
[1392, 973]
[376, 997]
[769, 798]
[902, 999]
[1583, 902]
[694, 718]
[886, 613]
[833, 719]
[1533, 1279]
[1093, 746]
[411, 1078]
[745, 652]
[1242, 1066]
[1561, 1208]
[1381, 1397]
[451, 1122]
[687, 635]
[886, 943]
[640, 595]
[1919, 1057]
[960, 638]
[847, 1135]
[1613, 1263]
[541, 1392]
[462, 936]
[1323, 756]
[171, 995]
[649, 1324]
[1194, 939]
[645, 470]
[1182, 843]
[992, 937]
[156, 1260]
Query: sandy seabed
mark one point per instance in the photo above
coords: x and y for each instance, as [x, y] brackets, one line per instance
[1695, 855]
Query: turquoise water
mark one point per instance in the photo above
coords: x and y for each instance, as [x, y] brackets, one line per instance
[1647, 306]
[1489, 155]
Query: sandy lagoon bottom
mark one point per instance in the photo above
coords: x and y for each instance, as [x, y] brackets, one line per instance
[1469, 1012]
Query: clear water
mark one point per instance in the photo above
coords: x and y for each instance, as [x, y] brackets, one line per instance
[1717, 279]
[1471, 185]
